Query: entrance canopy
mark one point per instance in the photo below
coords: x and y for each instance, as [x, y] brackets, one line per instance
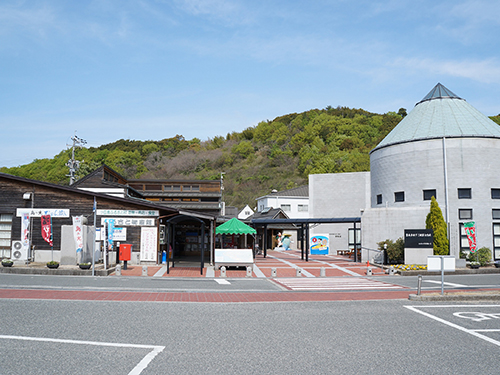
[234, 226]
[302, 225]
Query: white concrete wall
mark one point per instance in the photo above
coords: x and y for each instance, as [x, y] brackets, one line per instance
[336, 195]
[294, 202]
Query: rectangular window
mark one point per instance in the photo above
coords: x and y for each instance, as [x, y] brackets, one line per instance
[5, 235]
[167, 187]
[195, 188]
[464, 193]
[303, 208]
[399, 196]
[495, 193]
[379, 198]
[286, 207]
[465, 213]
[351, 238]
[428, 194]
[496, 241]
[464, 242]
[176, 187]
[495, 214]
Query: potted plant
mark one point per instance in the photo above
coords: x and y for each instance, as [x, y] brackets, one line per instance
[7, 262]
[475, 265]
[85, 265]
[53, 264]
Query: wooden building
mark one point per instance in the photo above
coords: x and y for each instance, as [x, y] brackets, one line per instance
[20, 195]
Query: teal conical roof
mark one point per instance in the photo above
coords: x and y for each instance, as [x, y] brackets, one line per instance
[440, 114]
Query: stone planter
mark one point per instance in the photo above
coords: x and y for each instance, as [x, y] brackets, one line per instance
[53, 266]
[475, 266]
[7, 264]
[85, 266]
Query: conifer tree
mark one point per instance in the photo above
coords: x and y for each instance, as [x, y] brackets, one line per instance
[435, 221]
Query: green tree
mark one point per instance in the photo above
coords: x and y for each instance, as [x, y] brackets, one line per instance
[395, 250]
[435, 221]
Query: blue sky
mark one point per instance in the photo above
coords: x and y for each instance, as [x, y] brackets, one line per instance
[151, 69]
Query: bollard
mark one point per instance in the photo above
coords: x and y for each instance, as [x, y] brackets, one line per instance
[144, 270]
[369, 271]
[391, 271]
[273, 272]
[118, 270]
[298, 272]
[223, 271]
[419, 284]
[249, 271]
[322, 272]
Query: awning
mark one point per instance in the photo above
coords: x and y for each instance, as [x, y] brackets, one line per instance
[234, 226]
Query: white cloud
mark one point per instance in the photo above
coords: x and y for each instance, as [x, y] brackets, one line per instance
[486, 71]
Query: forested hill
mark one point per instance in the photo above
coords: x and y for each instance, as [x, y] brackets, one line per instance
[277, 154]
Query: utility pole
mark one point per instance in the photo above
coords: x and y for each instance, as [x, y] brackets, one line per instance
[73, 164]
[222, 203]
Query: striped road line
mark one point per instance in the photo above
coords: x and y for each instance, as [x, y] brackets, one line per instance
[334, 283]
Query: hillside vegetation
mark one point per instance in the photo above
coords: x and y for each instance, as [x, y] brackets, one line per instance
[277, 154]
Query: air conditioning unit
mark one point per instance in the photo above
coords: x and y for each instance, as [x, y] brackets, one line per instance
[18, 251]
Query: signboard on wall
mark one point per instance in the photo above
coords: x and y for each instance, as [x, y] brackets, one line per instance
[319, 244]
[39, 212]
[418, 238]
[128, 213]
[130, 222]
[149, 242]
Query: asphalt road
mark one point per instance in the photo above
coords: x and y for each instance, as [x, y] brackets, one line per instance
[345, 337]
[478, 281]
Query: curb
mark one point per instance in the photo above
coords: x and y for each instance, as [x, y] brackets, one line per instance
[458, 271]
[56, 271]
[494, 296]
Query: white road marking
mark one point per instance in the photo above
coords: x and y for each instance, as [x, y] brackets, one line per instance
[222, 282]
[135, 371]
[445, 283]
[473, 332]
[161, 272]
[333, 265]
[257, 271]
[304, 272]
[335, 283]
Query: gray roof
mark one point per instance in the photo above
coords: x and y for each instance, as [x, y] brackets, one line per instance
[440, 114]
[300, 191]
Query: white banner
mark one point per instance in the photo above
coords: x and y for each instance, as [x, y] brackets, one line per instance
[25, 231]
[78, 233]
[149, 241]
[39, 212]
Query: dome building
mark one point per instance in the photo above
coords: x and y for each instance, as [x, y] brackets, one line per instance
[444, 148]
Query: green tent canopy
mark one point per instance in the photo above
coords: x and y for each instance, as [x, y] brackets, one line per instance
[234, 226]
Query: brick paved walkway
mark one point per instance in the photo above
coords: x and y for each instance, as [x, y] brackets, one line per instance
[285, 263]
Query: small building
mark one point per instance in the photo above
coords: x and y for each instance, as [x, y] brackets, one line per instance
[294, 202]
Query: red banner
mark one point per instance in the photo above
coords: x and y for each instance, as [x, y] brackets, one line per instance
[47, 229]
[470, 231]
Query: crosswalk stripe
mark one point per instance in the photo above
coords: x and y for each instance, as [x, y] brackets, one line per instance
[334, 284]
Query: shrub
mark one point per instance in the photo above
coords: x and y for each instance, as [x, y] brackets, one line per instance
[482, 255]
[395, 250]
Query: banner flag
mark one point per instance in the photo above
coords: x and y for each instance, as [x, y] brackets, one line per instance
[25, 230]
[77, 233]
[470, 230]
[47, 229]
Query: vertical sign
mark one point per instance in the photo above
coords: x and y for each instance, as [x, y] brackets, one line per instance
[77, 233]
[47, 229]
[149, 241]
[25, 230]
[470, 230]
